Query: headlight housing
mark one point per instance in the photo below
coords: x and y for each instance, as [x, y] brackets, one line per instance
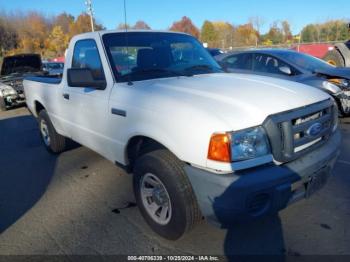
[333, 88]
[8, 91]
[342, 83]
[239, 145]
[248, 144]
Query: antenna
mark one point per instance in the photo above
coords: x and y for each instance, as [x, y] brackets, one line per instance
[130, 83]
[90, 12]
[125, 18]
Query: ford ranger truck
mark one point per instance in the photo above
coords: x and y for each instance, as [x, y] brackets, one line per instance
[199, 142]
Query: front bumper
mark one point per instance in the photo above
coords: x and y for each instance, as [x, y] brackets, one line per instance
[258, 191]
[14, 100]
[344, 101]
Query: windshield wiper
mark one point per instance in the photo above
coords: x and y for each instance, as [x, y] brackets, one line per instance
[161, 70]
[201, 67]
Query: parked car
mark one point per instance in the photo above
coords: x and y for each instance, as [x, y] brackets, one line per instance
[13, 70]
[215, 51]
[294, 66]
[53, 68]
[199, 142]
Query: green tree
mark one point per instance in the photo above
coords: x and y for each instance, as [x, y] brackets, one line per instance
[57, 43]
[287, 33]
[275, 34]
[208, 33]
[65, 21]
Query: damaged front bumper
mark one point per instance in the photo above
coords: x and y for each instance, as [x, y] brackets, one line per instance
[344, 101]
[14, 100]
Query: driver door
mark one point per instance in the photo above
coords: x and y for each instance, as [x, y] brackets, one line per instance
[87, 114]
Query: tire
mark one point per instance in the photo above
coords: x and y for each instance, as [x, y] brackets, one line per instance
[183, 212]
[2, 105]
[54, 142]
[334, 58]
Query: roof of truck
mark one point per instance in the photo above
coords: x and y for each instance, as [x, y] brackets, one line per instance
[103, 32]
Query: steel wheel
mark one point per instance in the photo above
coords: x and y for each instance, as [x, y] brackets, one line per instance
[155, 199]
[45, 132]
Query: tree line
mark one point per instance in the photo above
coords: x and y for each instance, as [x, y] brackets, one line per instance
[33, 32]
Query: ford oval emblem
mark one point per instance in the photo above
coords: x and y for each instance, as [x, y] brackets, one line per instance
[314, 130]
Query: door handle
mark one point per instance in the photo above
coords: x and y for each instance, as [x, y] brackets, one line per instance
[65, 96]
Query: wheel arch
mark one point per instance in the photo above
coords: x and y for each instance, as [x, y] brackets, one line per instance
[139, 145]
[38, 107]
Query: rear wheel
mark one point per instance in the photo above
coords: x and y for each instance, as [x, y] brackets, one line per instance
[334, 58]
[164, 194]
[54, 142]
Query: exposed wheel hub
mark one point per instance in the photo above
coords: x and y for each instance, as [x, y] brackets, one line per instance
[160, 197]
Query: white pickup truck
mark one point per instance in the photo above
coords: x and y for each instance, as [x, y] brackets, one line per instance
[199, 142]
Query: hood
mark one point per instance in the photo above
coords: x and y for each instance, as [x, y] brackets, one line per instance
[341, 72]
[240, 101]
[21, 64]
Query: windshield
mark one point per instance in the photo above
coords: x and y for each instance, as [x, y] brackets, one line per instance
[305, 61]
[136, 56]
[54, 65]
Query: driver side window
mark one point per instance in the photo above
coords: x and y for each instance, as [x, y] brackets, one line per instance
[86, 55]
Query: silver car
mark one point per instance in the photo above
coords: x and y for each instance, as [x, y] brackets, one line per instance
[294, 66]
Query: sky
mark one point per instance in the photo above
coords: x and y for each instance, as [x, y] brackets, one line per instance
[160, 14]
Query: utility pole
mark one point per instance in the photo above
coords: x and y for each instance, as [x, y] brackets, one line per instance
[90, 12]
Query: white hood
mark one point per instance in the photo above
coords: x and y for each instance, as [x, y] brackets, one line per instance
[239, 100]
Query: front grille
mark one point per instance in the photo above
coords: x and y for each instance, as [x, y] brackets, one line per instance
[298, 131]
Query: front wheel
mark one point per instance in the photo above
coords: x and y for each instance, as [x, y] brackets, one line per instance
[164, 194]
[54, 142]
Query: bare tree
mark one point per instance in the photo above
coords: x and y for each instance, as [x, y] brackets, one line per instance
[257, 22]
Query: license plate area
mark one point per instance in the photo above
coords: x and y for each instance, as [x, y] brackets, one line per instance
[316, 181]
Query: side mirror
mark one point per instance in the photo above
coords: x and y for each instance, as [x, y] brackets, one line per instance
[82, 77]
[286, 70]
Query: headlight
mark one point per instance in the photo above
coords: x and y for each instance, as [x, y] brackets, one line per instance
[342, 83]
[8, 91]
[239, 145]
[334, 89]
[248, 144]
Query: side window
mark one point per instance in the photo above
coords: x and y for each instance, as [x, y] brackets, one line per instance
[239, 61]
[271, 65]
[86, 55]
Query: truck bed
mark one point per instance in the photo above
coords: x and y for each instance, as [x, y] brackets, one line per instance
[45, 79]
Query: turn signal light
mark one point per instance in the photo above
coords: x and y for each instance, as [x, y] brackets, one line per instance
[335, 81]
[220, 148]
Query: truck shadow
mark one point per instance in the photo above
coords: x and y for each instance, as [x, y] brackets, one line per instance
[256, 240]
[26, 168]
[257, 234]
